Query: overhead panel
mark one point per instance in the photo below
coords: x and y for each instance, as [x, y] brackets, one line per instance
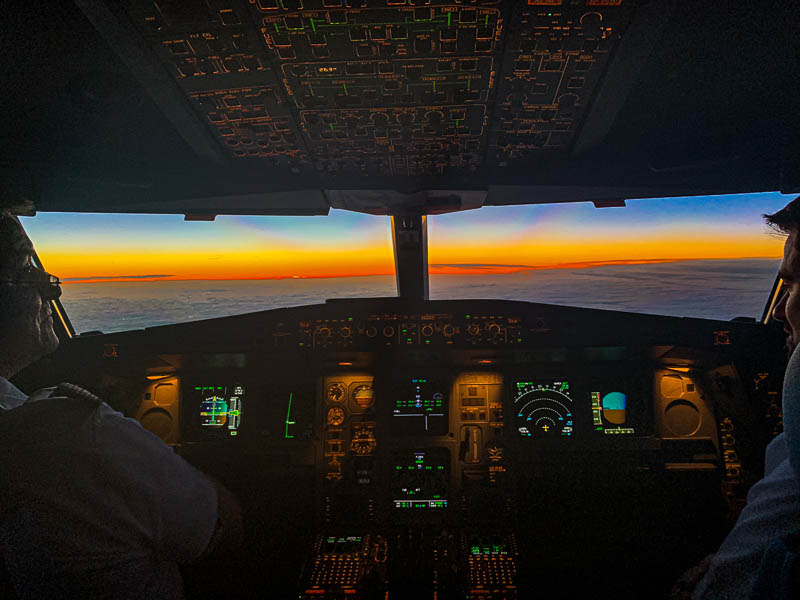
[377, 88]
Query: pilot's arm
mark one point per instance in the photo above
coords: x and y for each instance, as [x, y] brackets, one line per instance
[192, 516]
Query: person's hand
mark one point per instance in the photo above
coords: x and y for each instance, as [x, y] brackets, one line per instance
[684, 587]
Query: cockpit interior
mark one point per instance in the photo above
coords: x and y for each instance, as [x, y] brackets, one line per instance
[402, 447]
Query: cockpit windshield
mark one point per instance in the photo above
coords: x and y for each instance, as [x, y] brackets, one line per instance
[710, 257]
[122, 272]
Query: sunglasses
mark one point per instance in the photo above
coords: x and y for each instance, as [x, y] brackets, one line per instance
[49, 285]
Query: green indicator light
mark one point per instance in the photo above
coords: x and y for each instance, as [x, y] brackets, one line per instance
[344, 85]
[349, 318]
[331, 126]
[276, 27]
[313, 27]
[486, 20]
[197, 388]
[311, 89]
[288, 414]
[469, 84]
[519, 339]
[409, 339]
[427, 341]
[468, 316]
[475, 550]
[448, 19]
[434, 81]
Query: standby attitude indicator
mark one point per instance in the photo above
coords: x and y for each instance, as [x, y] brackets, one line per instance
[543, 409]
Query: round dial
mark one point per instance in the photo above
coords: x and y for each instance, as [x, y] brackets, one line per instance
[543, 409]
[363, 396]
[335, 416]
[335, 393]
[363, 441]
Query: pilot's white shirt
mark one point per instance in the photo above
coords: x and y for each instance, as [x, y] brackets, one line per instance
[772, 511]
[111, 515]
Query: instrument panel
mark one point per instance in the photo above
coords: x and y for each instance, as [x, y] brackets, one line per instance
[412, 440]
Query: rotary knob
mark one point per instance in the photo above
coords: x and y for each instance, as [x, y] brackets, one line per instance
[494, 329]
[345, 332]
[371, 331]
[473, 330]
[324, 332]
[427, 330]
[448, 330]
[388, 331]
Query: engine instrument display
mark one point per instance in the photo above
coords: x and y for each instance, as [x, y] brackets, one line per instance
[420, 478]
[543, 408]
[422, 408]
[220, 407]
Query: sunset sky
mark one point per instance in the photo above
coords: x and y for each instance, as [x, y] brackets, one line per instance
[83, 247]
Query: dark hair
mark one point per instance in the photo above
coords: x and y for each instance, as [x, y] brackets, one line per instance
[787, 219]
[13, 240]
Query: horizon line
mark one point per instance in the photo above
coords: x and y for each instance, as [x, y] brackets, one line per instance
[459, 269]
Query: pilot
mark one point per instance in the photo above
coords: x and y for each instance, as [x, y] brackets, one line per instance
[741, 567]
[91, 504]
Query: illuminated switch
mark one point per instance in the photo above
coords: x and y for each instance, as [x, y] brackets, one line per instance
[358, 34]
[337, 17]
[422, 14]
[423, 45]
[449, 34]
[293, 23]
[378, 32]
[399, 32]
[468, 15]
[229, 17]
[286, 52]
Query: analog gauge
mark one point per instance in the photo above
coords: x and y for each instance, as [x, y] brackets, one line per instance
[363, 396]
[335, 393]
[335, 416]
[363, 441]
[543, 409]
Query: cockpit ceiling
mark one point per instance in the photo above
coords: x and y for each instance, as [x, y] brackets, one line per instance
[392, 106]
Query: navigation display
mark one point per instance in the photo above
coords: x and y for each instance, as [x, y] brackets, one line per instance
[543, 408]
[219, 408]
[422, 408]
